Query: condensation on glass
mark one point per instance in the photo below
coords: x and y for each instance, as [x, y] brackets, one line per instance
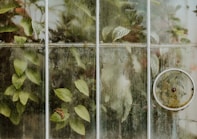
[22, 112]
[72, 69]
[174, 123]
[72, 92]
[123, 69]
[173, 47]
[123, 92]
[22, 92]
[72, 21]
[173, 22]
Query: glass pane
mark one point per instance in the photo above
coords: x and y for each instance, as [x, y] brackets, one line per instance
[123, 69]
[22, 21]
[72, 92]
[174, 121]
[123, 21]
[123, 92]
[173, 21]
[72, 21]
[22, 92]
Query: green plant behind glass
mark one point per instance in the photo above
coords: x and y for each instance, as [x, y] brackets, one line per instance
[76, 21]
[166, 26]
[121, 21]
[25, 88]
[74, 101]
[16, 23]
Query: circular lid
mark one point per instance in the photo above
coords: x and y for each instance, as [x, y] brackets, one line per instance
[174, 89]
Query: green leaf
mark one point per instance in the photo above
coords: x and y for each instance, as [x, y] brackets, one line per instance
[5, 110]
[61, 125]
[20, 66]
[77, 126]
[24, 96]
[27, 26]
[33, 97]
[63, 94]
[119, 32]
[18, 81]
[77, 58]
[83, 8]
[8, 29]
[32, 57]
[57, 117]
[184, 40]
[38, 27]
[15, 118]
[154, 65]
[20, 39]
[107, 33]
[20, 108]
[15, 97]
[7, 8]
[82, 86]
[33, 76]
[10, 90]
[82, 112]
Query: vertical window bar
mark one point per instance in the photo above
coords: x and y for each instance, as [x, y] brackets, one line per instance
[46, 73]
[148, 72]
[97, 73]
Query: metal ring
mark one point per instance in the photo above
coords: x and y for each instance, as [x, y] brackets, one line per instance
[187, 103]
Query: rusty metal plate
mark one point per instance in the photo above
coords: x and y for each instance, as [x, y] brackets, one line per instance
[174, 89]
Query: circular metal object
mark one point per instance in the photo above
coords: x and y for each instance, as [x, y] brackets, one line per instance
[174, 89]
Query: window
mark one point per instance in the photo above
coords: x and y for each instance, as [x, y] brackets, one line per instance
[98, 69]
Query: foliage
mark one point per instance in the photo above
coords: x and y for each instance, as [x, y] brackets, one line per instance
[121, 21]
[16, 23]
[77, 23]
[123, 91]
[167, 27]
[17, 95]
[74, 100]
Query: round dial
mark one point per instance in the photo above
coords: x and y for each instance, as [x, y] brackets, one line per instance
[174, 89]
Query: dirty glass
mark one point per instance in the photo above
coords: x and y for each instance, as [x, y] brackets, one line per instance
[123, 69]
[72, 92]
[123, 92]
[21, 70]
[72, 76]
[22, 92]
[174, 123]
[72, 21]
[123, 21]
[72, 68]
[22, 21]
[173, 70]
[173, 21]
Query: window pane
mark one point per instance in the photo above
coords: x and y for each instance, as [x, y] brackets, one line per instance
[123, 92]
[72, 92]
[173, 21]
[123, 21]
[21, 92]
[123, 69]
[22, 21]
[178, 123]
[72, 21]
